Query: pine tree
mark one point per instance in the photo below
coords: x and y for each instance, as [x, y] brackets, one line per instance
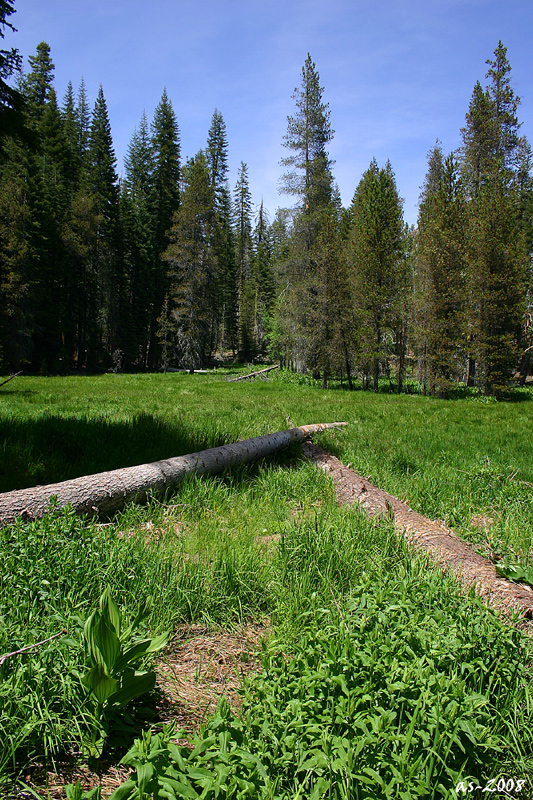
[80, 231]
[333, 322]
[308, 134]
[309, 179]
[166, 154]
[246, 278]
[166, 169]
[191, 262]
[266, 295]
[498, 254]
[39, 82]
[227, 312]
[217, 153]
[441, 267]
[375, 254]
[83, 119]
[71, 138]
[102, 185]
[137, 227]
[226, 281]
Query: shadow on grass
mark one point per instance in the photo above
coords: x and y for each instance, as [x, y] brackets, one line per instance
[52, 449]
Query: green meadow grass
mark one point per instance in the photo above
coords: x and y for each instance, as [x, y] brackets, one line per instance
[379, 679]
[467, 461]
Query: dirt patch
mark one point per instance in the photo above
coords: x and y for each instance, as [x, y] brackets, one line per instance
[195, 671]
[200, 667]
[432, 536]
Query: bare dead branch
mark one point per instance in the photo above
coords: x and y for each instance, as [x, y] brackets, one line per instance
[252, 374]
[30, 647]
[11, 378]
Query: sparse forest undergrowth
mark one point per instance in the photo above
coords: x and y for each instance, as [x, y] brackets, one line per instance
[378, 678]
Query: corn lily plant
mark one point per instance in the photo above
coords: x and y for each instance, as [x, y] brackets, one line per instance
[114, 678]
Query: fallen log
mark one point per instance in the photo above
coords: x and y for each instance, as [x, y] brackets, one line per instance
[448, 551]
[11, 378]
[106, 492]
[252, 374]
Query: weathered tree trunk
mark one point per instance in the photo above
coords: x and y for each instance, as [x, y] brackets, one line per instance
[252, 374]
[106, 492]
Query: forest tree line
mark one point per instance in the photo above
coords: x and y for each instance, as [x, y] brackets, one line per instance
[170, 266]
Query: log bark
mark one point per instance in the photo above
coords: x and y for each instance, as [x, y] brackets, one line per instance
[252, 374]
[106, 492]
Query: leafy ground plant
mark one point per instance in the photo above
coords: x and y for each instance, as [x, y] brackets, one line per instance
[376, 687]
[517, 573]
[114, 655]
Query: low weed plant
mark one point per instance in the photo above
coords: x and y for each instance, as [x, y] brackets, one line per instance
[381, 692]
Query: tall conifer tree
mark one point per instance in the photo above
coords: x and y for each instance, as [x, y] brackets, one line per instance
[440, 275]
[377, 265]
[106, 267]
[309, 179]
[138, 245]
[191, 261]
[166, 155]
[246, 277]
[225, 282]
[498, 252]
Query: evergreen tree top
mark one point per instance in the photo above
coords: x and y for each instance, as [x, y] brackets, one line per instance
[39, 81]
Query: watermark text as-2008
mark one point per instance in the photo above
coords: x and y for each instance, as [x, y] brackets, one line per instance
[507, 785]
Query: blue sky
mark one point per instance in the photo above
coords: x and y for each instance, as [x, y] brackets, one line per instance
[397, 74]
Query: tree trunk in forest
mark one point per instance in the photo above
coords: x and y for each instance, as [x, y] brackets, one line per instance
[106, 492]
[524, 367]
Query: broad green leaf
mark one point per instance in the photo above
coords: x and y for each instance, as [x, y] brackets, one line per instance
[89, 634]
[109, 611]
[132, 686]
[99, 683]
[125, 791]
[140, 649]
[107, 643]
[180, 789]
[144, 773]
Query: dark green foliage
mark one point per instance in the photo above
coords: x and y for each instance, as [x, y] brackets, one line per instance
[263, 257]
[102, 186]
[165, 199]
[138, 247]
[375, 252]
[192, 265]
[441, 251]
[166, 169]
[246, 276]
[217, 153]
[497, 249]
[84, 285]
[11, 100]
